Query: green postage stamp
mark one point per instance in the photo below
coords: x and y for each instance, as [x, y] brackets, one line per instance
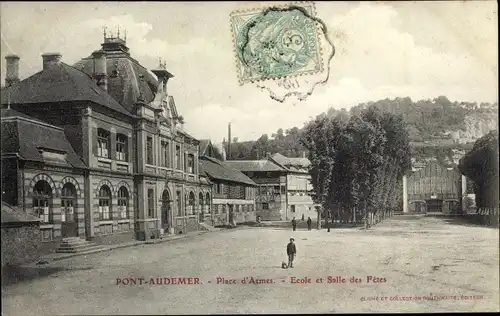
[276, 42]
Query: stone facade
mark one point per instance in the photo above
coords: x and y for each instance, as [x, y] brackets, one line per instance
[135, 170]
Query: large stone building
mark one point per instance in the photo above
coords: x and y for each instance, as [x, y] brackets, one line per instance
[233, 192]
[283, 186]
[98, 149]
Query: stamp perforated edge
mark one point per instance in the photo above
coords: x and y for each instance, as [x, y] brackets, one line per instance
[241, 80]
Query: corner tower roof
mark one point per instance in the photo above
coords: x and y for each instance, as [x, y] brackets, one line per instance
[127, 80]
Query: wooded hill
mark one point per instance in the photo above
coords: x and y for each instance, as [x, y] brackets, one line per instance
[434, 127]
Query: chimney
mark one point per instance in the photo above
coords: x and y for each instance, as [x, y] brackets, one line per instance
[268, 155]
[12, 71]
[51, 59]
[100, 69]
[229, 141]
[303, 154]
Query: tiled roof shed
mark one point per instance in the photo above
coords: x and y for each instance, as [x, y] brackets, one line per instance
[27, 137]
[293, 161]
[12, 215]
[254, 165]
[219, 170]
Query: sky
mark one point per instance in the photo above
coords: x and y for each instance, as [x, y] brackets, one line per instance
[383, 50]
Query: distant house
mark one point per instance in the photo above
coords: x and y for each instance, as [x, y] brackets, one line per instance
[284, 186]
[233, 193]
[298, 185]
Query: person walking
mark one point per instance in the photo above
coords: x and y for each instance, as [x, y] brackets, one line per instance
[291, 250]
[294, 224]
[309, 223]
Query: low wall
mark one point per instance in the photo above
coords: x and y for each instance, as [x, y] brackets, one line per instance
[21, 244]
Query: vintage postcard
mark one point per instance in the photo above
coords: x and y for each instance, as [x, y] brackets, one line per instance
[177, 158]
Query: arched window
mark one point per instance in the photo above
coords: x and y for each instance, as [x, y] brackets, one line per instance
[208, 203]
[200, 198]
[123, 202]
[104, 203]
[190, 204]
[165, 198]
[68, 202]
[42, 201]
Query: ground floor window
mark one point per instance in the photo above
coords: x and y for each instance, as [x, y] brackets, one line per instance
[265, 206]
[123, 202]
[68, 202]
[42, 200]
[151, 203]
[41, 207]
[104, 203]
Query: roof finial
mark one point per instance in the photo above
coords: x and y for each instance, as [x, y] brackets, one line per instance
[159, 62]
[125, 39]
[104, 32]
[118, 32]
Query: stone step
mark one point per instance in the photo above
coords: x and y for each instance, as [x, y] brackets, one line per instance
[75, 242]
[207, 227]
[91, 247]
[72, 239]
[64, 246]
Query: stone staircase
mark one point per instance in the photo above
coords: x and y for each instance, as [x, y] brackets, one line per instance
[207, 227]
[77, 245]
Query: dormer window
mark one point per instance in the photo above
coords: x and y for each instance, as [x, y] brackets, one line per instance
[190, 163]
[103, 143]
[52, 155]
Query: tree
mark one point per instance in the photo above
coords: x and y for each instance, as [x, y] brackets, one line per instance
[481, 165]
[357, 163]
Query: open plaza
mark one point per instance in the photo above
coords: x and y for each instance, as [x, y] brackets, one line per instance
[410, 263]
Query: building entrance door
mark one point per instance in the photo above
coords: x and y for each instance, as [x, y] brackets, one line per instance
[420, 207]
[69, 222]
[231, 215]
[434, 205]
[165, 210]
[69, 218]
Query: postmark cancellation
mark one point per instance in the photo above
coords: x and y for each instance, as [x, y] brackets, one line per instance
[276, 42]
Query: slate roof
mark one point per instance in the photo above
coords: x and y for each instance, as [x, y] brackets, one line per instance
[26, 138]
[127, 79]
[218, 170]
[291, 161]
[203, 145]
[13, 113]
[254, 165]
[59, 83]
[12, 214]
